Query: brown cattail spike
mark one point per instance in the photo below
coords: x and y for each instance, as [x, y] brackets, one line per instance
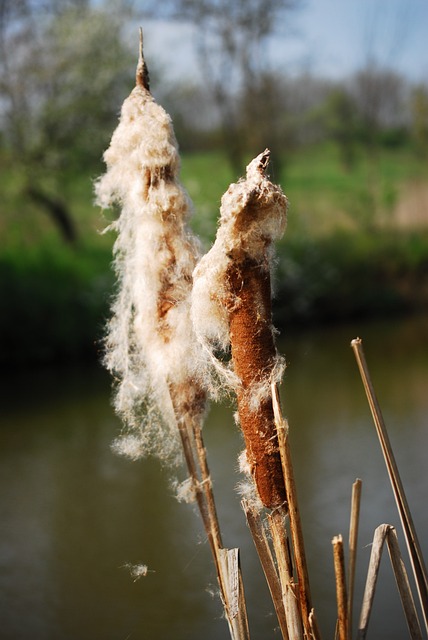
[232, 282]
[254, 353]
[254, 356]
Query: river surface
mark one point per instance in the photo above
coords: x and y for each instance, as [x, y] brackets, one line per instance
[73, 515]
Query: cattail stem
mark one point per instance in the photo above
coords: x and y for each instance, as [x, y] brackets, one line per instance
[308, 614]
[151, 347]
[353, 537]
[341, 591]
[228, 573]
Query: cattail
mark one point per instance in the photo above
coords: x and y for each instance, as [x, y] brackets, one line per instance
[150, 346]
[231, 304]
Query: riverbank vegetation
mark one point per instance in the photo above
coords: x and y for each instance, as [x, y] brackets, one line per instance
[351, 155]
[340, 258]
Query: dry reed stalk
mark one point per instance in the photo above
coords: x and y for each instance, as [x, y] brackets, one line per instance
[388, 533]
[226, 561]
[341, 591]
[308, 614]
[290, 590]
[230, 571]
[412, 541]
[151, 347]
[261, 543]
[353, 538]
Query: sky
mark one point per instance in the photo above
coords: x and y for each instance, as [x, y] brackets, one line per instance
[331, 38]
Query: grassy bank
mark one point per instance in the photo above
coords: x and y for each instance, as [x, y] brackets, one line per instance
[353, 247]
[323, 195]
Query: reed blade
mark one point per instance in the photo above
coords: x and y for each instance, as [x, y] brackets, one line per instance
[353, 538]
[415, 553]
[386, 532]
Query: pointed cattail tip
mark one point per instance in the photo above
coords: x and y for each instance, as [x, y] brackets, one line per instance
[142, 74]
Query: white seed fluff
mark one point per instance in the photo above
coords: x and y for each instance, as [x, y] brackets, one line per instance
[237, 232]
[137, 571]
[150, 346]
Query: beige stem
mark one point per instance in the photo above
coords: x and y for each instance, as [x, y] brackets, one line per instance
[308, 615]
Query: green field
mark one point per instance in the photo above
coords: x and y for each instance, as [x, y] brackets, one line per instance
[323, 196]
[356, 244]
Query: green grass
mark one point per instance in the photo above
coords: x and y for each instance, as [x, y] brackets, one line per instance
[323, 195]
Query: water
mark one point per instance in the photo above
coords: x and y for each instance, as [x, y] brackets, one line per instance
[73, 515]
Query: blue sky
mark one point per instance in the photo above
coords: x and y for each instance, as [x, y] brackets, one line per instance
[331, 38]
[334, 37]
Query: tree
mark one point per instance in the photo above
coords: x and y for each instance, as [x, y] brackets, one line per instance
[231, 44]
[62, 78]
[341, 118]
[379, 96]
[419, 111]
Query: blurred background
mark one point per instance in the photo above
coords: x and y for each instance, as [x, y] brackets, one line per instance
[339, 93]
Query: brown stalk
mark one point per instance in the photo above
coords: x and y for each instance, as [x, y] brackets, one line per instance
[308, 614]
[353, 537]
[341, 591]
[412, 541]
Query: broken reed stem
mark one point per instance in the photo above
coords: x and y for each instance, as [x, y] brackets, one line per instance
[308, 614]
[388, 533]
[403, 585]
[372, 575]
[264, 552]
[230, 571]
[353, 538]
[412, 541]
[341, 592]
